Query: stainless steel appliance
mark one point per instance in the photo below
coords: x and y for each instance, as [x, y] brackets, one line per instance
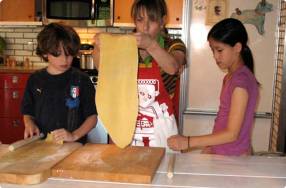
[78, 13]
[86, 61]
[86, 58]
[92, 75]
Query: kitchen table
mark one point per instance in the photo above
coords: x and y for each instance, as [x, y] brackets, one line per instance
[196, 170]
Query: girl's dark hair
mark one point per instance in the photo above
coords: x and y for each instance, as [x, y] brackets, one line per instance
[54, 34]
[156, 9]
[231, 31]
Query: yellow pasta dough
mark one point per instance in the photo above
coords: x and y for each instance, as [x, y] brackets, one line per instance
[116, 92]
[50, 138]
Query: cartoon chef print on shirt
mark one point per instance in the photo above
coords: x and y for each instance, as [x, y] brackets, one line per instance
[151, 113]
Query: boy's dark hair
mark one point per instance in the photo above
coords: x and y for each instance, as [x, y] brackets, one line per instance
[156, 9]
[231, 31]
[54, 34]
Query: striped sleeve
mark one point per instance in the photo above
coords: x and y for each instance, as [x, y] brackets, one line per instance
[172, 45]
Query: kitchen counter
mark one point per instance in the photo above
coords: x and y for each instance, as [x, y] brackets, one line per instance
[19, 69]
[197, 170]
[20, 23]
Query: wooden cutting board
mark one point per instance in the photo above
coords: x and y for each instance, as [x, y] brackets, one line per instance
[3, 149]
[110, 163]
[31, 164]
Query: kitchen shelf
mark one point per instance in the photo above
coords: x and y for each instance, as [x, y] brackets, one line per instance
[19, 24]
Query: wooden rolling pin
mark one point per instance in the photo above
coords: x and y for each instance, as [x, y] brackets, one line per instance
[23, 142]
[171, 165]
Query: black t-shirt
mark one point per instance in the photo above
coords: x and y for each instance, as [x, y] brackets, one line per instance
[59, 101]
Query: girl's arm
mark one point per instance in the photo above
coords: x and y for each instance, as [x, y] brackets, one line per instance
[169, 62]
[96, 50]
[239, 100]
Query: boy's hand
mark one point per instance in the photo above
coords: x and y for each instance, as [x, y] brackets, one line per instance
[31, 129]
[60, 135]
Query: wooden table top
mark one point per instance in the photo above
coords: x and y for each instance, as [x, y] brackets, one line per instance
[197, 170]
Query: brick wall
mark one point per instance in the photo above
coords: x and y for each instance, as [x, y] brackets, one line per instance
[21, 41]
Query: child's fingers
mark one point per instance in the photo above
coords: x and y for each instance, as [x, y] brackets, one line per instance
[28, 132]
[60, 135]
[173, 142]
[57, 138]
[137, 36]
[37, 131]
[96, 40]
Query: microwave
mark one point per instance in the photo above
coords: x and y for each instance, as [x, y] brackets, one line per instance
[78, 13]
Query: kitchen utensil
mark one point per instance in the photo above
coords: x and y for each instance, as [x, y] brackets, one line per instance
[171, 165]
[108, 162]
[86, 47]
[86, 60]
[31, 164]
[23, 142]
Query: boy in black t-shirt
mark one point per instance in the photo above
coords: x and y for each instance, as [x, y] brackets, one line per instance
[59, 99]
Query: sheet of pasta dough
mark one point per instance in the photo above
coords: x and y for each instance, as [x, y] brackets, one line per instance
[116, 91]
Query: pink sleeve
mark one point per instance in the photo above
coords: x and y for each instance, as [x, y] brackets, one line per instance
[241, 80]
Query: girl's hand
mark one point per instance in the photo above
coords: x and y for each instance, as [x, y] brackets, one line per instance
[31, 129]
[143, 40]
[61, 135]
[178, 142]
[143, 53]
[96, 41]
[96, 50]
[207, 150]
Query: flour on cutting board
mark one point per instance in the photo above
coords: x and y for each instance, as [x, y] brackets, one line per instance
[4, 164]
[23, 159]
[59, 154]
[34, 156]
[90, 159]
[108, 162]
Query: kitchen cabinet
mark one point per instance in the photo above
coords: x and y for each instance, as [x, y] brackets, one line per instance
[175, 13]
[12, 86]
[17, 10]
[122, 13]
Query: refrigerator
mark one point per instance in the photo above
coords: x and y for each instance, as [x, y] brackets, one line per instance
[203, 79]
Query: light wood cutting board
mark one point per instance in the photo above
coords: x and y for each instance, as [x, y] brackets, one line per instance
[110, 163]
[31, 164]
[3, 149]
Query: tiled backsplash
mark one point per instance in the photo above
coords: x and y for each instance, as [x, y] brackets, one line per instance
[21, 41]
